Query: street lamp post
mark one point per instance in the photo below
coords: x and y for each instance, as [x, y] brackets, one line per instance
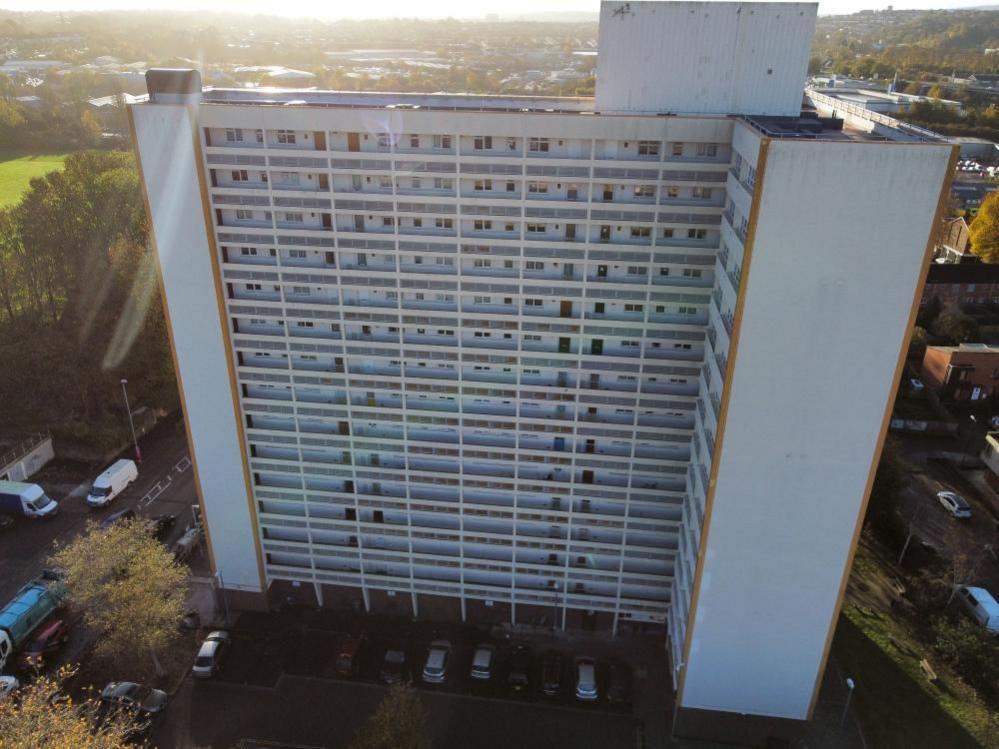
[131, 424]
[846, 708]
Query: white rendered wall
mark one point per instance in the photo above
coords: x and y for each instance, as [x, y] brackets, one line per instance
[839, 247]
[165, 144]
[703, 58]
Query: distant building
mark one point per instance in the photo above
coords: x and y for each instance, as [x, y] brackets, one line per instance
[976, 148]
[954, 243]
[969, 195]
[985, 80]
[968, 372]
[967, 284]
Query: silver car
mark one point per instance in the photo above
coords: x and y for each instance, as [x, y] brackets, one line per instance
[210, 656]
[955, 504]
[586, 680]
[435, 667]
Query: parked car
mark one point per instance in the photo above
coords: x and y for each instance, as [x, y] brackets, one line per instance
[185, 546]
[145, 701]
[955, 504]
[618, 683]
[435, 667]
[7, 686]
[348, 657]
[482, 662]
[160, 526]
[112, 482]
[393, 670]
[521, 662]
[980, 606]
[117, 517]
[586, 680]
[551, 674]
[45, 642]
[212, 653]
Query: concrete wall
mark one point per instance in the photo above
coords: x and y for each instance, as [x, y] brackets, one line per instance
[693, 57]
[165, 140]
[21, 468]
[824, 324]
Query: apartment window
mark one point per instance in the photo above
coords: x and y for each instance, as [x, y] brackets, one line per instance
[441, 183]
[483, 300]
[532, 338]
[677, 149]
[672, 192]
[285, 136]
[648, 148]
[508, 263]
[633, 307]
[243, 214]
[538, 145]
[483, 263]
[692, 272]
[641, 231]
[481, 225]
[701, 193]
[645, 191]
[233, 135]
[247, 250]
[511, 186]
[384, 141]
[293, 218]
[414, 141]
[415, 183]
[385, 183]
[304, 324]
[536, 228]
[664, 271]
[444, 223]
[239, 175]
[301, 290]
[483, 184]
[537, 187]
[533, 302]
[667, 234]
[687, 310]
[297, 253]
[257, 321]
[483, 143]
[417, 223]
[630, 344]
[697, 233]
[637, 270]
[254, 287]
[534, 265]
[388, 221]
[707, 149]
[418, 259]
[442, 141]
[443, 261]
[508, 227]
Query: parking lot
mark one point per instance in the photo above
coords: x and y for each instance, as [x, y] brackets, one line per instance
[281, 671]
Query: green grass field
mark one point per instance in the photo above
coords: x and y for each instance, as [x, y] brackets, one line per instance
[17, 169]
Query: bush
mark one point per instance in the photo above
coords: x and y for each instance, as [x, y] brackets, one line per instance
[971, 652]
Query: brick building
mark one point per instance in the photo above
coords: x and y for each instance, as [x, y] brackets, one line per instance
[962, 373]
[967, 284]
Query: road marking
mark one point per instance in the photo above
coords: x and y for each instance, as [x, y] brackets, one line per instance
[163, 484]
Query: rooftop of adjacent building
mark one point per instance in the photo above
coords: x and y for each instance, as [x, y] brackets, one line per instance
[976, 273]
[982, 349]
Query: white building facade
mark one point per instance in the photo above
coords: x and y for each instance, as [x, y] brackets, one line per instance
[503, 359]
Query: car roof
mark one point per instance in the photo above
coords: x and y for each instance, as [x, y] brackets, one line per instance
[984, 598]
[208, 648]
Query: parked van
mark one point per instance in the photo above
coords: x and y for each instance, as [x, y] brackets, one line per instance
[981, 606]
[112, 482]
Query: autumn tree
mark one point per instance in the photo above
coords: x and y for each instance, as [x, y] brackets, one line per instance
[41, 715]
[399, 722]
[128, 586]
[984, 230]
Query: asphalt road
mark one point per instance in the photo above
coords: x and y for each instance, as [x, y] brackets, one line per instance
[165, 485]
[327, 713]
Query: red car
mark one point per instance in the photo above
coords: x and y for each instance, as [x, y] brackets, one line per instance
[48, 639]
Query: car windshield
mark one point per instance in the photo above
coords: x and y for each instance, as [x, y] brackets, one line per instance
[41, 502]
[960, 502]
[99, 491]
[203, 660]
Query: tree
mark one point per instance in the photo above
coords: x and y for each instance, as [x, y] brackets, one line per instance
[972, 653]
[399, 722]
[41, 715]
[129, 587]
[889, 479]
[953, 324]
[984, 230]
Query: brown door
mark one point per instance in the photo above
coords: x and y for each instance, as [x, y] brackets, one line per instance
[353, 142]
[565, 309]
[327, 221]
[344, 427]
[319, 138]
[324, 182]
[570, 231]
[587, 477]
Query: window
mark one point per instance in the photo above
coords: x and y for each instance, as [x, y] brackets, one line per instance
[483, 184]
[641, 231]
[511, 144]
[537, 187]
[414, 141]
[536, 228]
[294, 218]
[667, 233]
[483, 263]
[286, 136]
[384, 141]
[296, 253]
[483, 143]
[672, 192]
[645, 191]
[633, 307]
[707, 149]
[301, 290]
[443, 260]
[664, 271]
[253, 287]
[691, 272]
[385, 183]
[239, 175]
[417, 223]
[535, 265]
[533, 302]
[697, 233]
[415, 183]
[260, 136]
[511, 186]
[444, 223]
[637, 270]
[678, 150]
[483, 300]
[304, 324]
[630, 344]
[441, 183]
[538, 145]
[233, 135]
[442, 141]
[508, 263]
[388, 221]
[481, 225]
[687, 310]
[648, 148]
[701, 193]
[243, 214]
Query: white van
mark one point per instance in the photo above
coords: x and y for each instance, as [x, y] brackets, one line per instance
[112, 482]
[981, 606]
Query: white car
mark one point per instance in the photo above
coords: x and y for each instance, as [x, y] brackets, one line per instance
[955, 504]
[586, 680]
[435, 667]
[7, 686]
[210, 656]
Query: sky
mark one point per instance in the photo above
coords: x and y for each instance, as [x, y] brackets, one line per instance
[409, 8]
